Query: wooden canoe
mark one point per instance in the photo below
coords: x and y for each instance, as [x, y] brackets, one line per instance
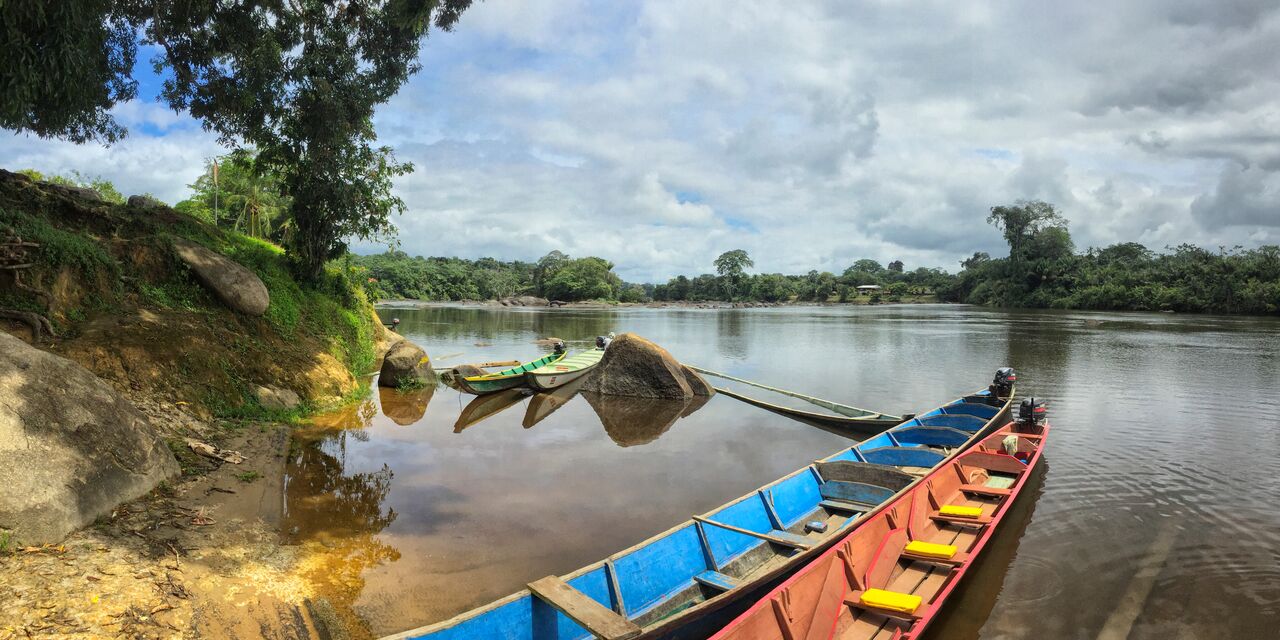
[564, 371]
[891, 574]
[505, 379]
[488, 405]
[678, 583]
[843, 419]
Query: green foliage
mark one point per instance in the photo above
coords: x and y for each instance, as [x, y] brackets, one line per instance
[65, 65]
[732, 266]
[299, 81]
[7, 544]
[588, 278]
[1042, 270]
[248, 476]
[247, 196]
[104, 187]
[59, 248]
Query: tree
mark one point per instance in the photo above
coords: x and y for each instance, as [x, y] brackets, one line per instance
[1023, 220]
[65, 65]
[247, 193]
[732, 266]
[866, 265]
[546, 269]
[588, 278]
[299, 81]
[896, 266]
[978, 258]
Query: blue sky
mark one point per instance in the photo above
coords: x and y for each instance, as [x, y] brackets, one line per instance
[811, 134]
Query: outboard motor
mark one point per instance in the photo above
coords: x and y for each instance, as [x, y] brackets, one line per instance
[1002, 384]
[395, 323]
[558, 347]
[1031, 415]
[602, 342]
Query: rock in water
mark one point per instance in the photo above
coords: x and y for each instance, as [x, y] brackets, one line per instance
[633, 366]
[406, 364]
[71, 448]
[237, 287]
[697, 383]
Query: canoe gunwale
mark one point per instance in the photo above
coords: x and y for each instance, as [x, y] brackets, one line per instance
[956, 572]
[711, 605]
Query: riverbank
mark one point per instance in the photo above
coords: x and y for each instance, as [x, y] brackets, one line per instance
[677, 304]
[104, 286]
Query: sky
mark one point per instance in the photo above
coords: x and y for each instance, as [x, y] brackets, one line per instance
[812, 134]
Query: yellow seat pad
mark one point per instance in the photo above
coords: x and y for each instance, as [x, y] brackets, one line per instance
[960, 511]
[931, 550]
[890, 601]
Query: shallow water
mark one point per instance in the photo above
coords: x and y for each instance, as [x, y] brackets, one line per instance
[1156, 516]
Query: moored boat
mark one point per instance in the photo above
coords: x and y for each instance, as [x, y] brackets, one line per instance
[890, 575]
[682, 579]
[507, 378]
[563, 372]
[843, 419]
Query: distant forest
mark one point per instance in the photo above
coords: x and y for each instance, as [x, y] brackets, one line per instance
[1042, 271]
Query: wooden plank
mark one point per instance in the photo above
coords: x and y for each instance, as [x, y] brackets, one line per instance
[984, 490]
[717, 580]
[588, 613]
[993, 462]
[794, 544]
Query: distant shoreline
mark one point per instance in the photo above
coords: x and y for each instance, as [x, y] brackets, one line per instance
[409, 303]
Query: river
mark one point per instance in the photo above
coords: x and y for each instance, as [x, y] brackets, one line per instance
[1156, 514]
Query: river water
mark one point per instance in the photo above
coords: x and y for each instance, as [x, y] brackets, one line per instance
[1156, 514]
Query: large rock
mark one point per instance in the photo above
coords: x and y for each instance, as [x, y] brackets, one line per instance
[277, 398]
[71, 448]
[146, 202]
[523, 301]
[633, 366]
[697, 383]
[237, 287]
[406, 364]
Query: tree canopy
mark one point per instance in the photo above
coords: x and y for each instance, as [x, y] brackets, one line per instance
[65, 65]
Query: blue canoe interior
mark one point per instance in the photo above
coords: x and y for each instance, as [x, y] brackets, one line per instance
[660, 586]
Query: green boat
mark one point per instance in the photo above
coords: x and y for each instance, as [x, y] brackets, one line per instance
[507, 378]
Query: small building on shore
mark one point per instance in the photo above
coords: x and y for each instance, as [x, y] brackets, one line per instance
[867, 289]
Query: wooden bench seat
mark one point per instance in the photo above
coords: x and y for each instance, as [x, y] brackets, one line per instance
[717, 580]
[589, 614]
[984, 490]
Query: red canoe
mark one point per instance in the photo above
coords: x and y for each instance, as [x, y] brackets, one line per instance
[889, 577]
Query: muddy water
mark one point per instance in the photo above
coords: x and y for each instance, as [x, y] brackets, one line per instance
[1155, 517]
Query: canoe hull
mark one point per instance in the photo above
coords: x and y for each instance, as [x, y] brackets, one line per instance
[562, 372]
[650, 585]
[841, 425]
[841, 573]
[549, 381]
[505, 379]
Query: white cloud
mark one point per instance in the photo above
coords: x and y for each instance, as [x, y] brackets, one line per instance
[813, 134]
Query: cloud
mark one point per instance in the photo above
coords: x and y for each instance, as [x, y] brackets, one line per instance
[658, 135]
[1244, 196]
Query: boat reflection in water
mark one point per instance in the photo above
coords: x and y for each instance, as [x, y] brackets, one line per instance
[487, 406]
[405, 407]
[544, 404]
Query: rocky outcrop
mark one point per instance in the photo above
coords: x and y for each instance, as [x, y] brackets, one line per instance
[237, 287]
[79, 193]
[71, 448]
[633, 366]
[276, 398]
[697, 384]
[523, 301]
[146, 203]
[406, 364]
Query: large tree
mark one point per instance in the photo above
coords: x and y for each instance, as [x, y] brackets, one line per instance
[732, 266]
[1023, 220]
[299, 81]
[63, 66]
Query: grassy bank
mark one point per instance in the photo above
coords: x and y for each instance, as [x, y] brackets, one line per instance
[124, 305]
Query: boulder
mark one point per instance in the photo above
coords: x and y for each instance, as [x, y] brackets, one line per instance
[633, 366]
[237, 287]
[146, 202]
[523, 301]
[81, 193]
[406, 363]
[71, 448]
[697, 383]
[277, 398]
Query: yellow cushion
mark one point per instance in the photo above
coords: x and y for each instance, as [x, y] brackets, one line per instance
[960, 512]
[931, 550]
[890, 601]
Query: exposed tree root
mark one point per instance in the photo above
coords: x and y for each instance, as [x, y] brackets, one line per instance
[13, 255]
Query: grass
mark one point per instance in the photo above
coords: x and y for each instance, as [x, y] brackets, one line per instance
[410, 383]
[7, 543]
[248, 476]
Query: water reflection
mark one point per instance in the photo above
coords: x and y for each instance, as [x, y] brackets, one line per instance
[405, 407]
[487, 406]
[636, 421]
[1156, 415]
